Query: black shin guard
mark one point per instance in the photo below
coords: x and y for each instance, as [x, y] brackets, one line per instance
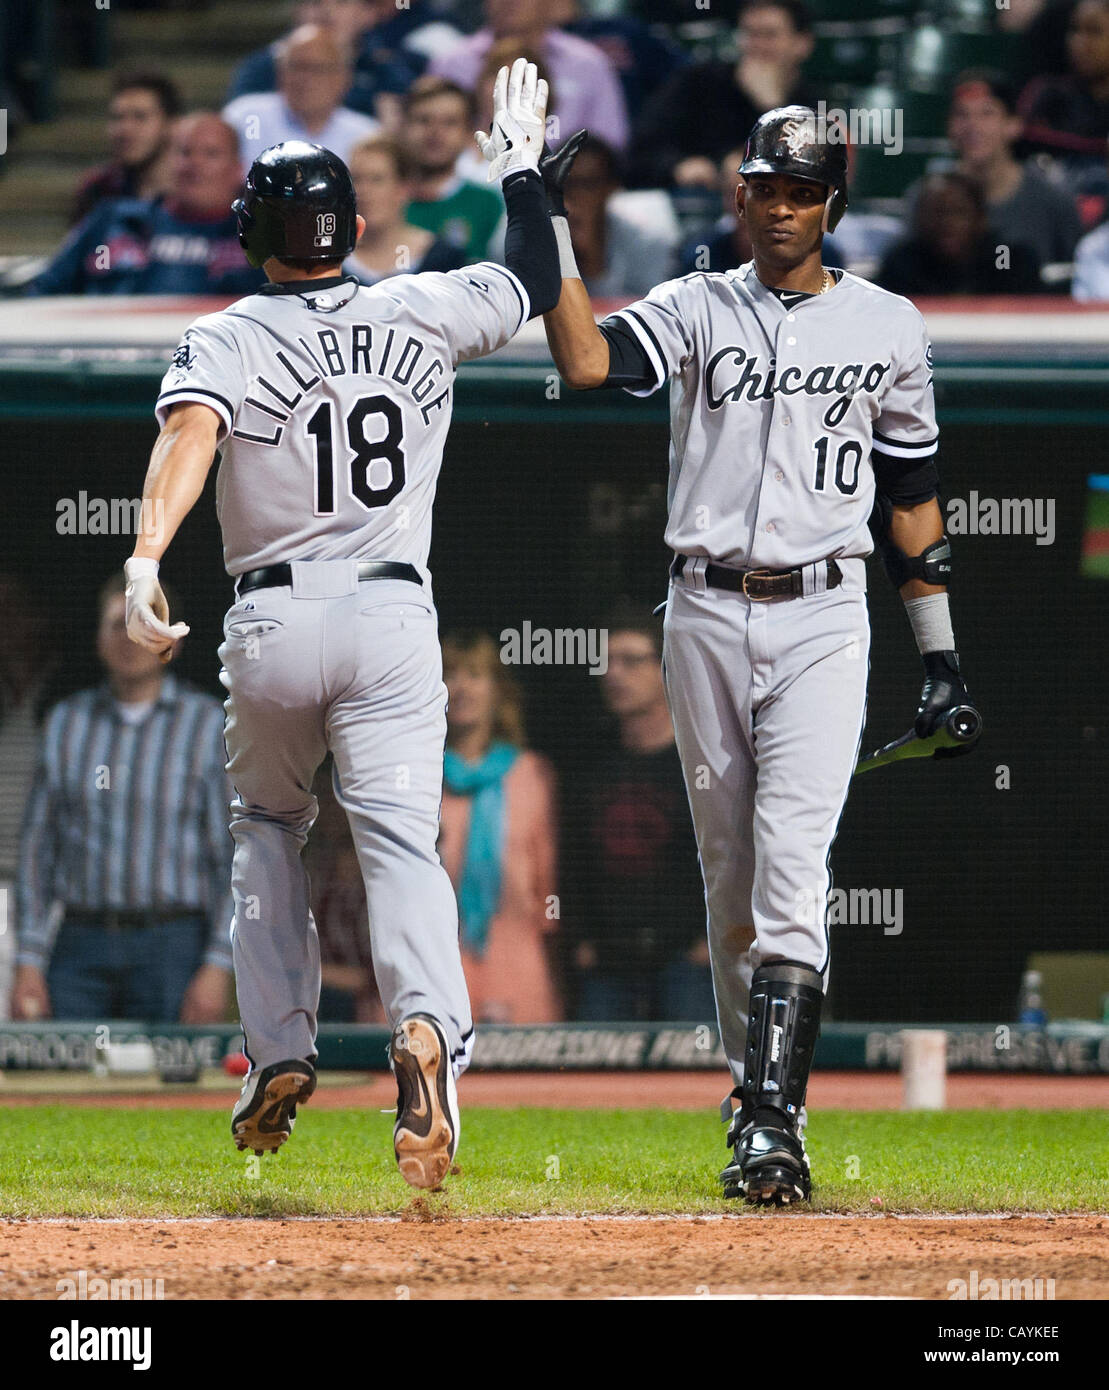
[782, 1030]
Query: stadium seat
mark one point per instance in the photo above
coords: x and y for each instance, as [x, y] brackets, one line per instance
[923, 114]
[860, 11]
[876, 175]
[931, 57]
[964, 14]
[853, 57]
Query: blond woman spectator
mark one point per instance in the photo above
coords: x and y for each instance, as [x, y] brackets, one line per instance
[383, 172]
[498, 839]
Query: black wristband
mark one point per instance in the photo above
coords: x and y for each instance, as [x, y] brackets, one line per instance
[530, 249]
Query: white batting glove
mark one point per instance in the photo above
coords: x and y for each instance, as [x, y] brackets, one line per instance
[147, 610]
[519, 121]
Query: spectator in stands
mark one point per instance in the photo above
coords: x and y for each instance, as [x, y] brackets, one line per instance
[141, 113]
[636, 911]
[727, 244]
[588, 92]
[1022, 205]
[349, 990]
[27, 660]
[384, 37]
[313, 71]
[1068, 116]
[499, 838]
[616, 256]
[950, 249]
[1036, 34]
[383, 172]
[643, 59]
[127, 829]
[1091, 266]
[185, 243]
[698, 115]
[438, 127]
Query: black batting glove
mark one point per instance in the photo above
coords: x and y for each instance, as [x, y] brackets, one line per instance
[555, 166]
[943, 689]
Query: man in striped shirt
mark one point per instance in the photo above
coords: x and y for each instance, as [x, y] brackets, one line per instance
[125, 836]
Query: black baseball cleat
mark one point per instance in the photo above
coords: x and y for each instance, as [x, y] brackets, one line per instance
[425, 1135]
[769, 1165]
[265, 1112]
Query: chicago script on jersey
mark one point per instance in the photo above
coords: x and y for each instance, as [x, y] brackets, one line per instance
[731, 375]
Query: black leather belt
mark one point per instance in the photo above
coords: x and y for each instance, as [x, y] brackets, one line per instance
[759, 585]
[274, 576]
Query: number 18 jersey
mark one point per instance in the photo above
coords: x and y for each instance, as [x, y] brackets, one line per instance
[334, 404]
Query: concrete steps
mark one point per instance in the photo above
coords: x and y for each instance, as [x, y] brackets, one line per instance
[198, 47]
[222, 29]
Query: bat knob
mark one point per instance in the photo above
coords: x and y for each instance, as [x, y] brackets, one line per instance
[964, 723]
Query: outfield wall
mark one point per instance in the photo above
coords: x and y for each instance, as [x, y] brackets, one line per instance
[1076, 1049]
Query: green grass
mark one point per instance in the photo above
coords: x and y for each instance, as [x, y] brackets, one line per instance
[76, 1161]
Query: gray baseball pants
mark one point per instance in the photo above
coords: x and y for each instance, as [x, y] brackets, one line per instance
[331, 663]
[768, 701]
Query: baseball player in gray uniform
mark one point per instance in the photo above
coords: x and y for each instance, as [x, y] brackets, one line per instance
[330, 404]
[800, 404]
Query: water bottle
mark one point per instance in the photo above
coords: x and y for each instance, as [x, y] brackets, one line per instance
[1030, 1010]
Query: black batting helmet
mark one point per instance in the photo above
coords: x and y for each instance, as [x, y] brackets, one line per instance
[794, 140]
[298, 205]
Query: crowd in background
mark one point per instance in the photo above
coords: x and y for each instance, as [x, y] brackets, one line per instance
[1011, 199]
[578, 886]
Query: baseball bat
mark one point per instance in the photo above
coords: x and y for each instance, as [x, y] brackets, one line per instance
[961, 725]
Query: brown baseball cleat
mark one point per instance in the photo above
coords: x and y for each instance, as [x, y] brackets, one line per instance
[425, 1135]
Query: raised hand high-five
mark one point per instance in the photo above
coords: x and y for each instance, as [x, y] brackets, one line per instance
[515, 140]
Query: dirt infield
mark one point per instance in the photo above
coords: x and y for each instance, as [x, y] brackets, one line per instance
[418, 1257]
[580, 1090]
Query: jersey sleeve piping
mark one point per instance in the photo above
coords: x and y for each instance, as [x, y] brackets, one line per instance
[651, 347]
[517, 285]
[904, 448]
[220, 404]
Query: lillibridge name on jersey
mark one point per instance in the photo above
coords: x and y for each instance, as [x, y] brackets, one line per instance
[732, 375]
[348, 350]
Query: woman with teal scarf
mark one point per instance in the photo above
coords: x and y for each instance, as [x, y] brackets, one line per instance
[498, 839]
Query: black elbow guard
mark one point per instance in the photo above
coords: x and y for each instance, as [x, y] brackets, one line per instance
[933, 564]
